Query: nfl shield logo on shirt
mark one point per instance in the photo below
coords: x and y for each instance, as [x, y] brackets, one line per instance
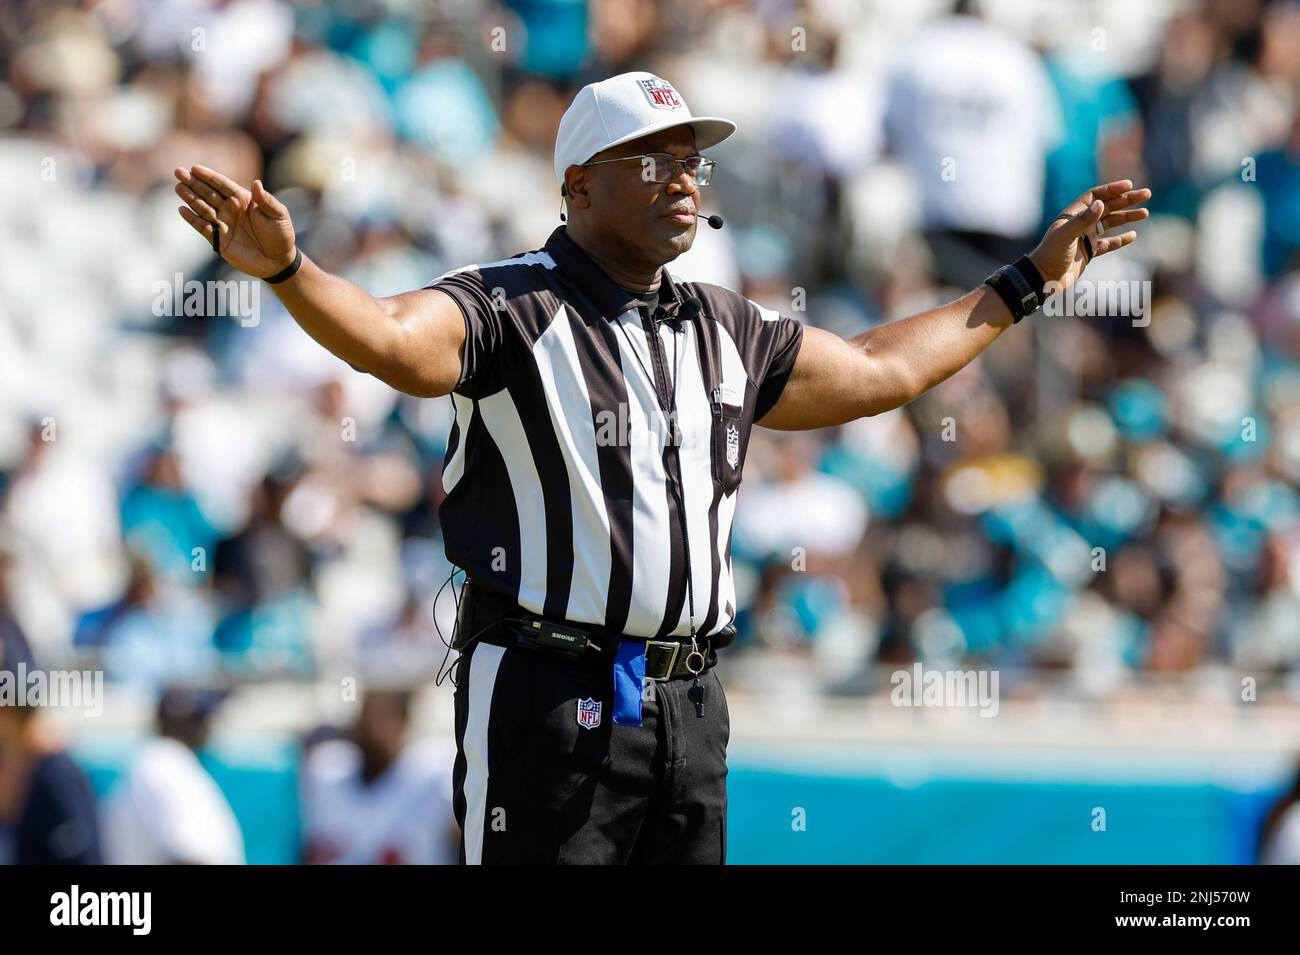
[588, 713]
[733, 446]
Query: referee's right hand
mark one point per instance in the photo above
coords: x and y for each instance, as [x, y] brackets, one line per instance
[255, 232]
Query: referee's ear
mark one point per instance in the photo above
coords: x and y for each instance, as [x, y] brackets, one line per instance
[574, 189]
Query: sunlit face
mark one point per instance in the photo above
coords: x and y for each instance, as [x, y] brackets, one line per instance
[633, 216]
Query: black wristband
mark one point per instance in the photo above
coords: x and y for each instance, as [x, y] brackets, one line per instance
[287, 271]
[1020, 286]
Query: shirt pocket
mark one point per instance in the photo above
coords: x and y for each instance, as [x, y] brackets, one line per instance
[728, 443]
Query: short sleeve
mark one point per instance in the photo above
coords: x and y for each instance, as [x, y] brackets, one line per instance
[775, 348]
[483, 329]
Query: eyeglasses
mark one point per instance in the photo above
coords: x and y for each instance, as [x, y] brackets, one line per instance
[661, 167]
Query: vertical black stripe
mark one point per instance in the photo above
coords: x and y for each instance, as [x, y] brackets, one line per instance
[675, 598]
[529, 396]
[480, 515]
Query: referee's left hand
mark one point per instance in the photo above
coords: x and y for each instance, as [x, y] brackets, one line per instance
[249, 228]
[1074, 239]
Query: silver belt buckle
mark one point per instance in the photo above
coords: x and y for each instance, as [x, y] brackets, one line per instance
[676, 648]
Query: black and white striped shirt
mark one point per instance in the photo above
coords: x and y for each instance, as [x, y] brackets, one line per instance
[563, 490]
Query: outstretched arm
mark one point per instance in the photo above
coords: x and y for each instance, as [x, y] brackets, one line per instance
[413, 341]
[834, 381]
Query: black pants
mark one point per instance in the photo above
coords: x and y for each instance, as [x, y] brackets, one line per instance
[534, 785]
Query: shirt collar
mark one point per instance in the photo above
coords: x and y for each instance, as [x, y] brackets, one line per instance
[610, 297]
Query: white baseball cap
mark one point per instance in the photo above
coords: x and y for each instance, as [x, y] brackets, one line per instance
[623, 108]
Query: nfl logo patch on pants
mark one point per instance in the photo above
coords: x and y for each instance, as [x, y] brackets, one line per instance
[588, 713]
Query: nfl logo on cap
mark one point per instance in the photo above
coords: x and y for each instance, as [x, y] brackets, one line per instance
[588, 713]
[660, 94]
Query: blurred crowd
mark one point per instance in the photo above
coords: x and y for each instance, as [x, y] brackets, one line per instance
[203, 496]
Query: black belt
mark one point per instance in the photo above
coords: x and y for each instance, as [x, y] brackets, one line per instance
[486, 617]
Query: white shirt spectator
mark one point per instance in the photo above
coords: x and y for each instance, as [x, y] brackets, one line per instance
[829, 121]
[65, 504]
[819, 513]
[403, 817]
[1283, 846]
[168, 809]
[972, 113]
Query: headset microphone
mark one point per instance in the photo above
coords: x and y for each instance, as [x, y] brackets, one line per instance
[714, 221]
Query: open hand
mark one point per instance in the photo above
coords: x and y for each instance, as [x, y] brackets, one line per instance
[1078, 234]
[254, 231]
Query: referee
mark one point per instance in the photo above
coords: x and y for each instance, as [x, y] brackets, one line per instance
[602, 413]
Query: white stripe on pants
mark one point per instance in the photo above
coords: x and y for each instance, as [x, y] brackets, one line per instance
[483, 666]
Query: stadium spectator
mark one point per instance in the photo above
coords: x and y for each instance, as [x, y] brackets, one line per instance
[379, 798]
[167, 809]
[48, 814]
[1279, 837]
[971, 114]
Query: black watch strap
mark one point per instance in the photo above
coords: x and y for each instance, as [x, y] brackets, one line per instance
[1019, 285]
[287, 271]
